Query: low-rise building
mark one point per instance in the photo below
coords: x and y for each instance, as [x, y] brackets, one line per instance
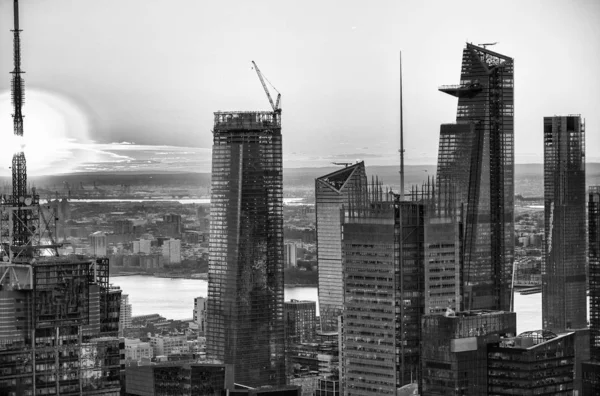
[166, 345]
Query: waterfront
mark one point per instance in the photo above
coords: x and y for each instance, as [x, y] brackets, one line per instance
[174, 298]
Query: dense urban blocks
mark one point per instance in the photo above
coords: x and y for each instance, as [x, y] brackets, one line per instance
[245, 325]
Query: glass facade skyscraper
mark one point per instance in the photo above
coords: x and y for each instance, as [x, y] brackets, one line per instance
[594, 270]
[245, 324]
[340, 189]
[476, 168]
[383, 258]
[563, 267]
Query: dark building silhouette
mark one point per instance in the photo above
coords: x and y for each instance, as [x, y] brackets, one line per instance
[179, 378]
[591, 369]
[534, 363]
[454, 354]
[333, 192]
[245, 324]
[300, 320]
[383, 261]
[563, 267]
[476, 167]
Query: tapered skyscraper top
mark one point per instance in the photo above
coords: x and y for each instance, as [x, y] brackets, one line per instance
[476, 168]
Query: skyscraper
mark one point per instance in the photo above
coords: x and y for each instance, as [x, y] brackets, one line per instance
[591, 369]
[245, 275]
[383, 260]
[334, 191]
[594, 279]
[563, 267]
[476, 167]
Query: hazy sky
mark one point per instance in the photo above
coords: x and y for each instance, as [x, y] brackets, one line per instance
[152, 72]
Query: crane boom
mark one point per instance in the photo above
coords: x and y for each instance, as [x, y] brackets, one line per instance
[275, 107]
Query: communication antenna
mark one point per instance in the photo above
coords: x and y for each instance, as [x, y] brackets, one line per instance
[401, 137]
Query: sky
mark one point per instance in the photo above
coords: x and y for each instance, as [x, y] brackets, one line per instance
[133, 84]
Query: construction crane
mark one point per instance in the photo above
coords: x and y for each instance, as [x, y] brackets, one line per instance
[346, 164]
[276, 106]
[485, 45]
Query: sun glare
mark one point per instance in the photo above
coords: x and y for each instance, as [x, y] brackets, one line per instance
[53, 128]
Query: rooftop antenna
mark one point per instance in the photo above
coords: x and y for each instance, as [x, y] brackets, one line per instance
[21, 232]
[401, 137]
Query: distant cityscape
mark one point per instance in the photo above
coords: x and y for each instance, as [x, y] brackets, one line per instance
[416, 276]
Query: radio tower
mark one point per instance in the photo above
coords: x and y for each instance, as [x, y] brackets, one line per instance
[21, 231]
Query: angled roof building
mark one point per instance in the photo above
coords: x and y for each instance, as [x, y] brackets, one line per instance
[343, 188]
[476, 169]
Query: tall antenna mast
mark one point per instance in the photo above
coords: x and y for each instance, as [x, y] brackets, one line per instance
[401, 137]
[21, 231]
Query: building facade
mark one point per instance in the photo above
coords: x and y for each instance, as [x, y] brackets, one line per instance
[333, 192]
[300, 320]
[383, 260]
[591, 369]
[476, 168]
[454, 354]
[59, 328]
[563, 267]
[171, 250]
[200, 313]
[98, 243]
[245, 275]
[534, 363]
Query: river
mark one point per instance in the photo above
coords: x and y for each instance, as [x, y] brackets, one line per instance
[174, 298]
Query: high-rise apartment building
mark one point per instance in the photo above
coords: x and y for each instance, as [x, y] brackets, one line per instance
[334, 191]
[291, 254]
[476, 168]
[125, 317]
[563, 267]
[171, 251]
[98, 243]
[245, 274]
[200, 314]
[383, 260]
[300, 320]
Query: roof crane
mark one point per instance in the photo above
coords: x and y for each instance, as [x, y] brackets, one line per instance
[346, 164]
[485, 45]
[275, 106]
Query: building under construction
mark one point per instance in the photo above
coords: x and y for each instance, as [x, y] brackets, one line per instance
[58, 315]
[245, 325]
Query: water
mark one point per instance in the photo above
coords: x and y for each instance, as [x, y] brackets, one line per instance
[174, 298]
[205, 201]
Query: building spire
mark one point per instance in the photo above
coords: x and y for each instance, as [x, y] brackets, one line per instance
[21, 231]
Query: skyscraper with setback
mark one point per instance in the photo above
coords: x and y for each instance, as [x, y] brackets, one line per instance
[476, 161]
